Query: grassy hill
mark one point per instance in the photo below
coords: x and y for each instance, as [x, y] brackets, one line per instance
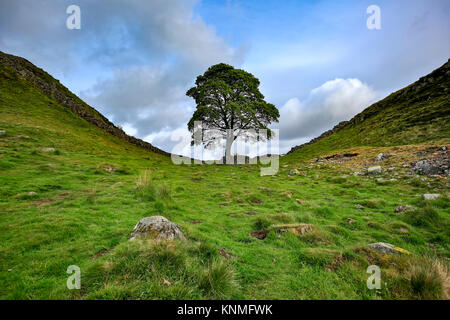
[416, 114]
[72, 188]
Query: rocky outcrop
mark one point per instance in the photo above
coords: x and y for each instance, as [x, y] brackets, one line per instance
[437, 163]
[25, 70]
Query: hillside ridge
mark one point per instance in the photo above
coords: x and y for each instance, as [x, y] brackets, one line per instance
[21, 69]
[437, 83]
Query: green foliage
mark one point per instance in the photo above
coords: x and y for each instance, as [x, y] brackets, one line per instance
[425, 216]
[229, 99]
[63, 209]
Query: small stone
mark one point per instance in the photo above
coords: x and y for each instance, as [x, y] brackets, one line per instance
[387, 248]
[297, 229]
[261, 234]
[358, 206]
[430, 196]
[47, 149]
[299, 201]
[350, 220]
[382, 156]
[32, 193]
[2, 132]
[404, 208]
[293, 172]
[374, 170]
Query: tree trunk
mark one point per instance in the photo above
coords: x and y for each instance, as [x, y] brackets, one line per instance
[228, 156]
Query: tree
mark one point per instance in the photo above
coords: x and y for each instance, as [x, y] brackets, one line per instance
[230, 104]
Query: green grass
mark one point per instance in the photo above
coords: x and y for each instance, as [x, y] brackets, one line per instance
[68, 207]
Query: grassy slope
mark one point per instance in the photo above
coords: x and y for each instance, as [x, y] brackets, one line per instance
[82, 214]
[416, 114]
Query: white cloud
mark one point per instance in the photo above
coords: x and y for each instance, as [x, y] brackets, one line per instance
[325, 106]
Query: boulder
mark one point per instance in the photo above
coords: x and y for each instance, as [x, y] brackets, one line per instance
[426, 167]
[374, 170]
[387, 248]
[157, 227]
[430, 196]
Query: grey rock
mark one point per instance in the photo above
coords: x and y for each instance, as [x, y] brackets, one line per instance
[157, 227]
[293, 172]
[426, 167]
[382, 156]
[404, 208]
[358, 206]
[47, 149]
[387, 248]
[2, 132]
[374, 170]
[430, 196]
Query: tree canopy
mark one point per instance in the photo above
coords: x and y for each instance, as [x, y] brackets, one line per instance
[230, 103]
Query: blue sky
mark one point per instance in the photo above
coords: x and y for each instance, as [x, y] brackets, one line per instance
[317, 60]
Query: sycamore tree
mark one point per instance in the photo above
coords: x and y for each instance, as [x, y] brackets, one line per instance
[229, 106]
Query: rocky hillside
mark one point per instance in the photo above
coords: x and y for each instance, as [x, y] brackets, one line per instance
[13, 68]
[418, 113]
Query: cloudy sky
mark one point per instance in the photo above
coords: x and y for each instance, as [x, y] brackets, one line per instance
[317, 61]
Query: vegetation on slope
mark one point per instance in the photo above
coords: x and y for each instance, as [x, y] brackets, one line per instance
[77, 203]
[415, 114]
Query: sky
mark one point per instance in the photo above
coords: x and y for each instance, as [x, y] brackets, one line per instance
[317, 60]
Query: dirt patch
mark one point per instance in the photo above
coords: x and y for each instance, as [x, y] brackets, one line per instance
[256, 201]
[338, 157]
[196, 222]
[250, 213]
[99, 254]
[196, 179]
[41, 202]
[224, 253]
[64, 194]
[260, 234]
[341, 258]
